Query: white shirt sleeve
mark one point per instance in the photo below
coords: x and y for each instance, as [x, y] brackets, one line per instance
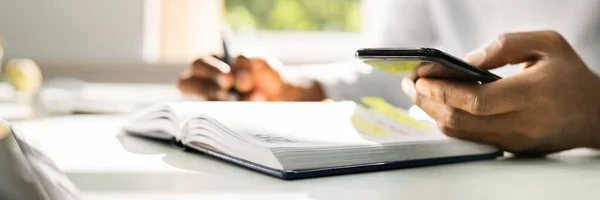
[350, 81]
[398, 23]
[390, 23]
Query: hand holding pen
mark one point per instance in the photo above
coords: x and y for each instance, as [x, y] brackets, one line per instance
[255, 80]
[231, 78]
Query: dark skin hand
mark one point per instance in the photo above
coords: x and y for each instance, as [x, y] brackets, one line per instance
[553, 104]
[253, 78]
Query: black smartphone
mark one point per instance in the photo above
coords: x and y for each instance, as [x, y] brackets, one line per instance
[423, 62]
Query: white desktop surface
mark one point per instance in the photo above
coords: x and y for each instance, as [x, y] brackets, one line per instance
[106, 164]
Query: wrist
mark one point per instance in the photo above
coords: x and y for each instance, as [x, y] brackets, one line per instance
[298, 86]
[309, 92]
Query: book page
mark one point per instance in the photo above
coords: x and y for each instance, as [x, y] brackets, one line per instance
[156, 121]
[316, 124]
[263, 122]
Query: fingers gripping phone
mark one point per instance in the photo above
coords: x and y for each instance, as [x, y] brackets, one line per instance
[423, 62]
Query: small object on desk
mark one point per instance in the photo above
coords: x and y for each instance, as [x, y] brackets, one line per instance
[294, 140]
[23, 74]
[23, 80]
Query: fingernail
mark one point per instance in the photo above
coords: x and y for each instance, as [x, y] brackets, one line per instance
[409, 88]
[476, 57]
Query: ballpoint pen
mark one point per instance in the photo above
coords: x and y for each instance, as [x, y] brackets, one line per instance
[226, 37]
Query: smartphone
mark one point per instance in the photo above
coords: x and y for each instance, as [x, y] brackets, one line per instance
[423, 62]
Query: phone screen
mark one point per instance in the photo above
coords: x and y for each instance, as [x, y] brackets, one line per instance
[420, 68]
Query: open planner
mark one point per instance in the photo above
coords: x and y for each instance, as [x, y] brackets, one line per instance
[293, 140]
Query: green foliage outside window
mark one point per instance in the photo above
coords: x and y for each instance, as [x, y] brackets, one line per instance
[296, 15]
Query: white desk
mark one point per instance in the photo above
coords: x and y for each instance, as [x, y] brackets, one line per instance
[105, 164]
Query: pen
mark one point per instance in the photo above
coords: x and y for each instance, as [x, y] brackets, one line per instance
[227, 58]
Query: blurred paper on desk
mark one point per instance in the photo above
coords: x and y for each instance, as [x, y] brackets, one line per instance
[84, 97]
[7, 93]
[10, 109]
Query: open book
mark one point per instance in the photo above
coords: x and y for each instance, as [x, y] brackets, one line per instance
[292, 140]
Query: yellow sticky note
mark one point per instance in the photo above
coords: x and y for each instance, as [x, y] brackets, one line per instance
[381, 106]
[368, 127]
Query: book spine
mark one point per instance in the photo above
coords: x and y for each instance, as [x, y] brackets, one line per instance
[241, 162]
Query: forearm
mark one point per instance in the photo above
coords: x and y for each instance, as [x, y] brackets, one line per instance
[321, 80]
[311, 91]
[350, 80]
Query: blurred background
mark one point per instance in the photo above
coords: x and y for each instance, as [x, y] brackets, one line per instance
[108, 55]
[109, 40]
